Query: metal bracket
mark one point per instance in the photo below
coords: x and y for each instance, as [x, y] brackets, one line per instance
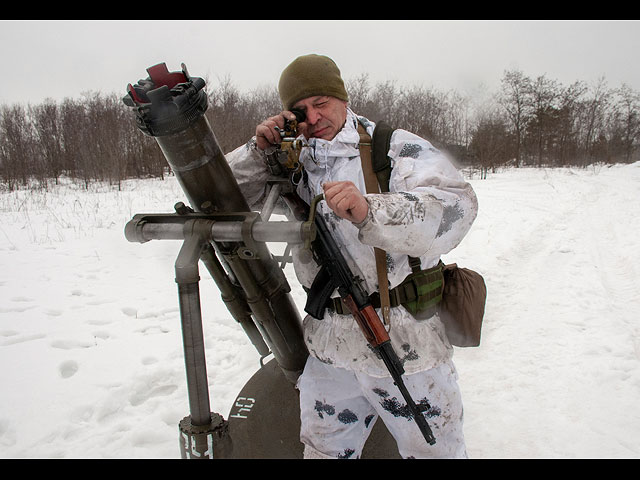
[250, 249]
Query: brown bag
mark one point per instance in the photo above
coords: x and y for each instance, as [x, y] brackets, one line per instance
[462, 305]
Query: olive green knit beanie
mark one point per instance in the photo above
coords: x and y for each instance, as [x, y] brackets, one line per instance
[308, 76]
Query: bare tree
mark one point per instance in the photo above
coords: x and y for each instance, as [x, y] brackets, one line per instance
[458, 119]
[490, 145]
[627, 120]
[17, 153]
[544, 116]
[566, 148]
[592, 115]
[383, 103]
[515, 98]
[46, 123]
[358, 90]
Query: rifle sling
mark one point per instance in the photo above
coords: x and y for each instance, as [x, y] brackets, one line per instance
[371, 184]
[422, 290]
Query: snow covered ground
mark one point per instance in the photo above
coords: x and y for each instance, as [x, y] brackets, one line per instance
[91, 359]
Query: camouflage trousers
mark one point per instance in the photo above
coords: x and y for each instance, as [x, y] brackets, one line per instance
[338, 409]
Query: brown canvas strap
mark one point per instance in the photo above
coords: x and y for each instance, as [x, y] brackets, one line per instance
[371, 184]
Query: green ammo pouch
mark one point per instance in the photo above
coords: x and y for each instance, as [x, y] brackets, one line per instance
[421, 292]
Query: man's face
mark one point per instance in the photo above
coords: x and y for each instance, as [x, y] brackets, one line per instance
[325, 116]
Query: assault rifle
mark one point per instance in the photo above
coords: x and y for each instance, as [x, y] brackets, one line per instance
[335, 273]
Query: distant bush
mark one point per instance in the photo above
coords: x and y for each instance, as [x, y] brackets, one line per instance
[527, 122]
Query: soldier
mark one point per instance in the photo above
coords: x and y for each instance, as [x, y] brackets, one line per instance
[429, 209]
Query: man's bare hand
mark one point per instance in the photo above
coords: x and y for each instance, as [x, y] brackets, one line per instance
[266, 133]
[346, 201]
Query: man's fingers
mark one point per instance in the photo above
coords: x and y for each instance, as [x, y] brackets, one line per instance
[346, 201]
[266, 135]
[266, 132]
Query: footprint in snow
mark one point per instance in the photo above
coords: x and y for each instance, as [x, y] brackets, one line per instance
[68, 368]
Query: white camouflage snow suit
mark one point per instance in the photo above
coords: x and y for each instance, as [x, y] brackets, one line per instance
[345, 386]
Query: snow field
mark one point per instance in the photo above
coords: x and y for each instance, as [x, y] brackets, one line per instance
[91, 361]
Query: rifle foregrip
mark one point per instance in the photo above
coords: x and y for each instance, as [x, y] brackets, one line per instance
[369, 322]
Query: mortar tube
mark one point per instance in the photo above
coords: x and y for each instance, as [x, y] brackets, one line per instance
[208, 180]
[172, 112]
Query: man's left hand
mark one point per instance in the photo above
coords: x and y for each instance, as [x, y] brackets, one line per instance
[346, 201]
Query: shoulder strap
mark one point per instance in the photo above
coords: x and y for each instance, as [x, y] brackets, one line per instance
[371, 185]
[380, 142]
[366, 157]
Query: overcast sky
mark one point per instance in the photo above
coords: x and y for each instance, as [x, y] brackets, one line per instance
[58, 58]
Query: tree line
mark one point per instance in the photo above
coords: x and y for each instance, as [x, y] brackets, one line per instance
[528, 122]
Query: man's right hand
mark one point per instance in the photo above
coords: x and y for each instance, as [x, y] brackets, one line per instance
[266, 133]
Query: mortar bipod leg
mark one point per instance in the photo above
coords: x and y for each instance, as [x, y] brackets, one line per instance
[203, 434]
